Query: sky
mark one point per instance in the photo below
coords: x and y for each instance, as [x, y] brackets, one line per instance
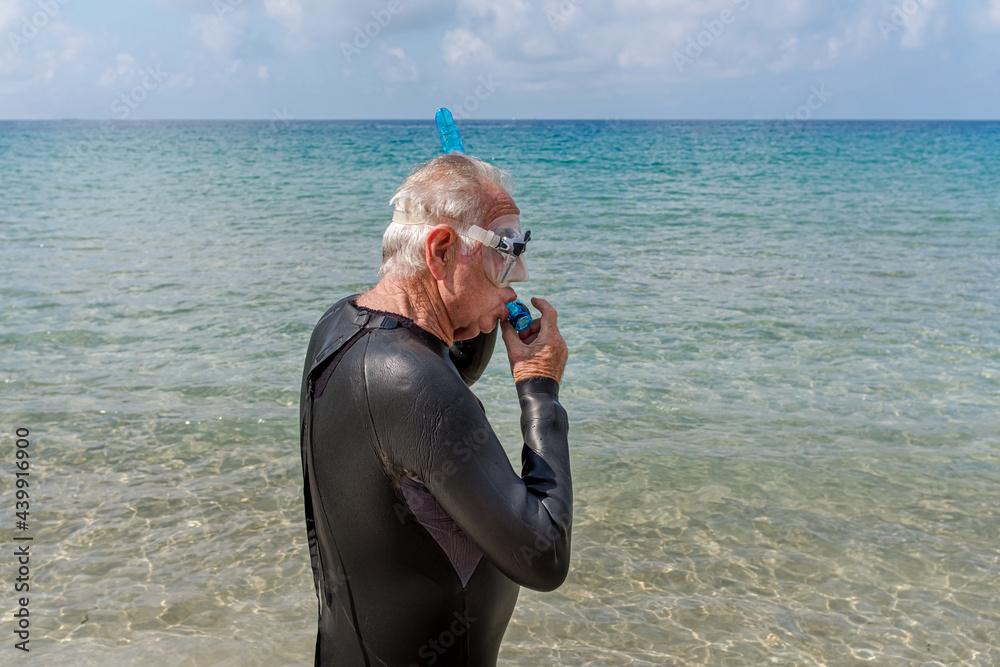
[402, 59]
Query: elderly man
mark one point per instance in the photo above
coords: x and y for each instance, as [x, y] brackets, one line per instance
[420, 532]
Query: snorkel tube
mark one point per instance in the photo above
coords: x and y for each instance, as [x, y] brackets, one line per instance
[451, 142]
[448, 132]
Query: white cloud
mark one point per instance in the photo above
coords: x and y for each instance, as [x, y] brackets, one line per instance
[180, 81]
[585, 43]
[991, 16]
[505, 18]
[41, 53]
[395, 66]
[315, 25]
[222, 36]
[290, 13]
[10, 14]
[788, 55]
[578, 47]
[284, 9]
[76, 45]
[782, 14]
[460, 47]
[124, 70]
[32, 33]
[917, 23]
[308, 24]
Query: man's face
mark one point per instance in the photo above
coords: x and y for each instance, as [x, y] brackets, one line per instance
[478, 303]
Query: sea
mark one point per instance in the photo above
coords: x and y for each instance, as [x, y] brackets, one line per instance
[783, 386]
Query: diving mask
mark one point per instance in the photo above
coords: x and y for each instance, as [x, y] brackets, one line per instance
[505, 264]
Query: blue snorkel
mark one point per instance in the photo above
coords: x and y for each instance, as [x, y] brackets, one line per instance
[451, 142]
[518, 315]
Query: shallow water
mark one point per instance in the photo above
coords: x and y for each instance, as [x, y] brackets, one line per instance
[783, 386]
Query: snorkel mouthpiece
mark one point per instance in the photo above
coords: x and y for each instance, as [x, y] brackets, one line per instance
[518, 315]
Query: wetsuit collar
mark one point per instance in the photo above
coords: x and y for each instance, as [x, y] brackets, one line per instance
[393, 320]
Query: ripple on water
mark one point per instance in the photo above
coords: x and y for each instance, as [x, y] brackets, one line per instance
[782, 387]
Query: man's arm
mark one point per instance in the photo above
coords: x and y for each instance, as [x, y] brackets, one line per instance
[523, 523]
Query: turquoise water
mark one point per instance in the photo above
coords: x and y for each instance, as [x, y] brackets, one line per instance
[784, 382]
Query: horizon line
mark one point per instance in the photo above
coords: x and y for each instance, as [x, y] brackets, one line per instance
[289, 118]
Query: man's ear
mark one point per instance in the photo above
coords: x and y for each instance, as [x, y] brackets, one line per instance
[439, 249]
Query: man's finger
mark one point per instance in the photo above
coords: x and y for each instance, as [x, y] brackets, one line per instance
[508, 332]
[548, 312]
[532, 331]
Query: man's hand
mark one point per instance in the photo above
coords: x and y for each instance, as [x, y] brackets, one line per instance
[540, 351]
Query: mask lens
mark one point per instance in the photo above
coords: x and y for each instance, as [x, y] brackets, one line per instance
[509, 263]
[503, 268]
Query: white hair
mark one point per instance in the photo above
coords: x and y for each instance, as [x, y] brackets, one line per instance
[448, 189]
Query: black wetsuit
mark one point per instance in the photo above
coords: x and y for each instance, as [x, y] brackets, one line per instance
[420, 532]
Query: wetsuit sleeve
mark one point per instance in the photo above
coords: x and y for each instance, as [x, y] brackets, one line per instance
[471, 356]
[438, 432]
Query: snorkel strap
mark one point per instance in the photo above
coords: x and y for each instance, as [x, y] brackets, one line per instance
[407, 214]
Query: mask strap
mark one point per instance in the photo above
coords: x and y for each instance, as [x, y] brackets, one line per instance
[404, 217]
[484, 236]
